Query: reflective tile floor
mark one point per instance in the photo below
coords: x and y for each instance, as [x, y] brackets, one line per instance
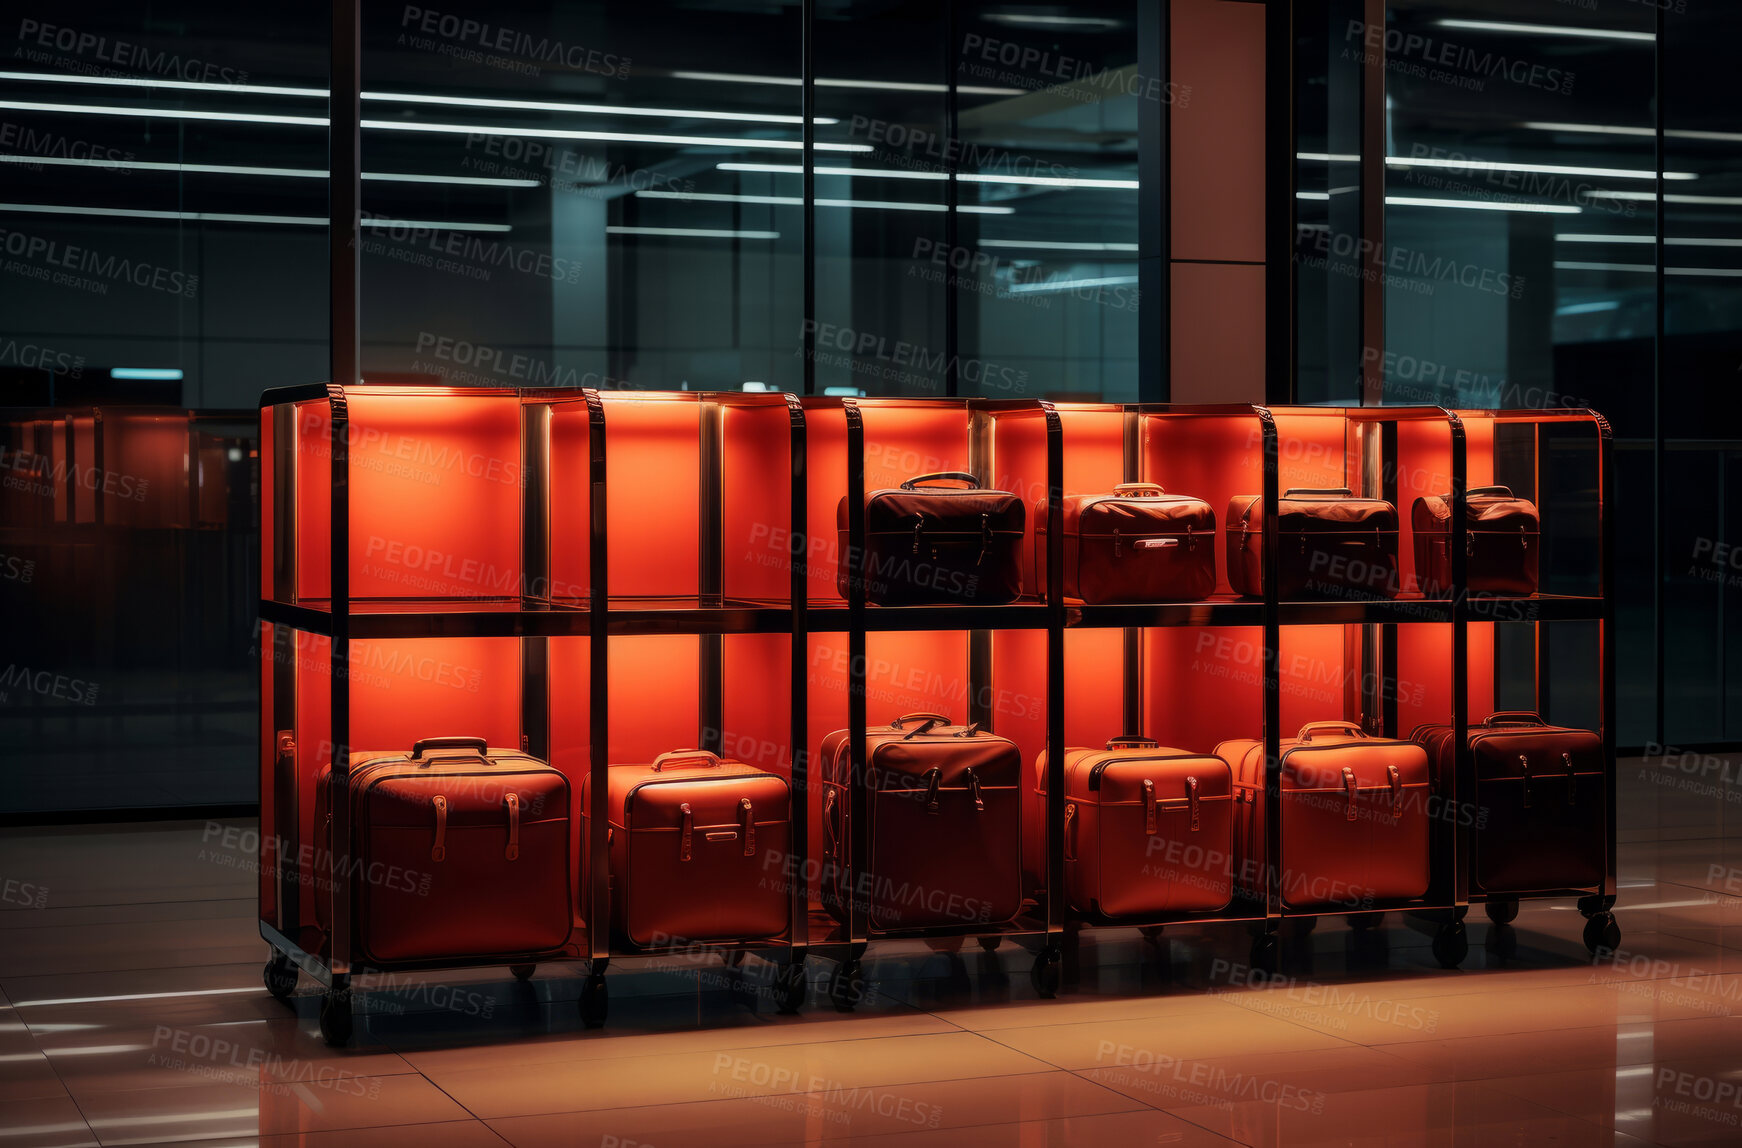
[132, 1012]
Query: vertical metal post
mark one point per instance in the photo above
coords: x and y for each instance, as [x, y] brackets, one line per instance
[710, 575]
[798, 699]
[1154, 225]
[1462, 785]
[858, 783]
[344, 206]
[1131, 636]
[1055, 899]
[1272, 619]
[1658, 570]
[1279, 178]
[535, 584]
[597, 895]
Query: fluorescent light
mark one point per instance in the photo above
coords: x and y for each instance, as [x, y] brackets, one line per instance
[1312, 195]
[977, 177]
[1545, 169]
[1708, 272]
[1577, 266]
[1057, 245]
[163, 113]
[1328, 157]
[1589, 308]
[162, 373]
[1626, 130]
[796, 201]
[605, 137]
[756, 387]
[1056, 285]
[590, 109]
[413, 126]
[844, 392]
[418, 98]
[1545, 30]
[1479, 205]
[823, 82]
[227, 217]
[1106, 22]
[283, 172]
[693, 232]
[94, 1049]
[1579, 237]
[1650, 197]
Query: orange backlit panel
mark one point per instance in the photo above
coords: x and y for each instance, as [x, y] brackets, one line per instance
[1212, 458]
[654, 683]
[1203, 685]
[652, 487]
[756, 503]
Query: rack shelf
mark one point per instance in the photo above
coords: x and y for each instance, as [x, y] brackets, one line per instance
[629, 572]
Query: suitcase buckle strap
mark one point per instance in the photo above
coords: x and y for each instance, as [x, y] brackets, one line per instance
[933, 778]
[985, 538]
[1149, 806]
[513, 850]
[1349, 791]
[1572, 778]
[1523, 536]
[1192, 802]
[1395, 776]
[1070, 837]
[974, 788]
[918, 531]
[689, 824]
[1524, 768]
[968, 730]
[1118, 544]
[439, 851]
[748, 814]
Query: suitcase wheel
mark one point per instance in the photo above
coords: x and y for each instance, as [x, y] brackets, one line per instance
[990, 944]
[1602, 934]
[1502, 912]
[1362, 922]
[336, 1017]
[1046, 973]
[847, 986]
[1451, 945]
[522, 972]
[1150, 933]
[790, 985]
[595, 1001]
[280, 977]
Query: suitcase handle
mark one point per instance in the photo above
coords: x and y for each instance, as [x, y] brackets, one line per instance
[935, 719]
[1513, 717]
[1502, 491]
[701, 757]
[961, 476]
[1312, 727]
[1134, 741]
[1294, 490]
[475, 744]
[1139, 488]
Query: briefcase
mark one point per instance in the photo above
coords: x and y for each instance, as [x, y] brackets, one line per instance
[1354, 816]
[1539, 814]
[1329, 544]
[1502, 538]
[457, 852]
[927, 543]
[1137, 544]
[1147, 829]
[699, 850]
[945, 826]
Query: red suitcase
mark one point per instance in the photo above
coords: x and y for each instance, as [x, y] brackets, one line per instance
[457, 852]
[1354, 816]
[698, 849]
[1329, 544]
[945, 825]
[1137, 544]
[1148, 829]
[1502, 537]
[937, 544]
[1540, 804]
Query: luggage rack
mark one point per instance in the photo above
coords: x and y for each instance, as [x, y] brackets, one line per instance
[761, 473]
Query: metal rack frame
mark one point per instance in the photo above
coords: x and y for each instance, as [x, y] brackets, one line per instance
[1049, 928]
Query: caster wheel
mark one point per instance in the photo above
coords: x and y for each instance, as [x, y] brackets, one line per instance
[1151, 933]
[1365, 922]
[990, 944]
[1266, 955]
[1045, 974]
[522, 972]
[847, 986]
[789, 987]
[1602, 934]
[732, 958]
[336, 1017]
[280, 977]
[595, 1001]
[1451, 945]
[1501, 912]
